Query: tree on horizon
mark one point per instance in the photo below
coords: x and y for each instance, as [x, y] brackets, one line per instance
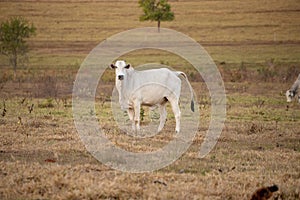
[156, 10]
[12, 40]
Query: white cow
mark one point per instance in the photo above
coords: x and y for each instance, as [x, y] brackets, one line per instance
[154, 88]
[291, 93]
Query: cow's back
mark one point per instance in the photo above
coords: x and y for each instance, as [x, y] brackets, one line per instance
[152, 86]
[162, 76]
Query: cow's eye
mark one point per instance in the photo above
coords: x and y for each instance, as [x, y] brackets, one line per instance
[127, 66]
[113, 66]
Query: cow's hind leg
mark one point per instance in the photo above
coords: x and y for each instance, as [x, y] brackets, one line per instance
[163, 116]
[176, 110]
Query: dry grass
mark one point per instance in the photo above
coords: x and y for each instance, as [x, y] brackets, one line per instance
[42, 156]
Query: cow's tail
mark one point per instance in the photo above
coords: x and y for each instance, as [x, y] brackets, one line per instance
[191, 89]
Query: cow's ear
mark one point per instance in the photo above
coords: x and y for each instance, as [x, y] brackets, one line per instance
[127, 66]
[113, 66]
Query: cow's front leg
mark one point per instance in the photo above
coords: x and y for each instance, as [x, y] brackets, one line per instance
[299, 98]
[130, 112]
[137, 109]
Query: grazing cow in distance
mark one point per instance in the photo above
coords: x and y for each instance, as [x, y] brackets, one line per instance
[154, 88]
[291, 93]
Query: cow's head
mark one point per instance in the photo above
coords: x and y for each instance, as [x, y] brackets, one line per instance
[121, 69]
[289, 95]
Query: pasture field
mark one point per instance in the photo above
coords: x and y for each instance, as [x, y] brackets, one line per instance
[256, 46]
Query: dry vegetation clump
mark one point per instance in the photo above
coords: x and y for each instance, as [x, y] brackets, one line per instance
[264, 193]
[268, 72]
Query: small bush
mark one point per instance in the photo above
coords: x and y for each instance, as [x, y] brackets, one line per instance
[47, 86]
[266, 73]
[254, 128]
[290, 73]
[48, 103]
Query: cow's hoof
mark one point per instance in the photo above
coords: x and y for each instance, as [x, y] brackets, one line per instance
[159, 130]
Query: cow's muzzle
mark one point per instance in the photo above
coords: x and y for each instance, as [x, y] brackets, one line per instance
[121, 77]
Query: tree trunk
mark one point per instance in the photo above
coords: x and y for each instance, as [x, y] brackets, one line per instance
[158, 25]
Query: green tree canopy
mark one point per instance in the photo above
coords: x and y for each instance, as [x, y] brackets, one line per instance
[156, 10]
[12, 39]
